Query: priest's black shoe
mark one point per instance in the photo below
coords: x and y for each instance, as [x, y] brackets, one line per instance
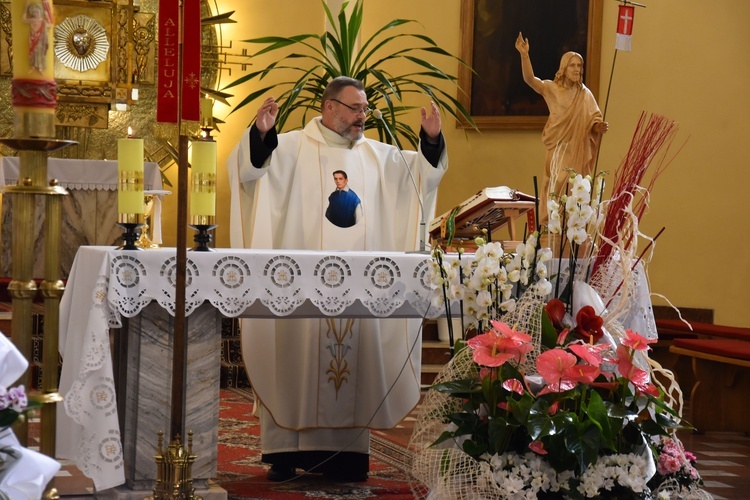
[279, 473]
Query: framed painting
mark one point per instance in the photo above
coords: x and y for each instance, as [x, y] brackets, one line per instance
[494, 92]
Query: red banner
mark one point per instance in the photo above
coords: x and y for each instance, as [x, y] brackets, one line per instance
[624, 27]
[168, 85]
[169, 63]
[625, 20]
[191, 61]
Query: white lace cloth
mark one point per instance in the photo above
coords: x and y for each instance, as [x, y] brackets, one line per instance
[106, 284]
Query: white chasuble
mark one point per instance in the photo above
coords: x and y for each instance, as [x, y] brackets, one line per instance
[330, 375]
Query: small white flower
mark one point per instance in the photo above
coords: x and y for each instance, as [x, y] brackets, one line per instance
[508, 305]
[484, 299]
[554, 225]
[577, 236]
[544, 255]
[544, 286]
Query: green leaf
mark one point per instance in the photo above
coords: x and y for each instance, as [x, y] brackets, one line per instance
[583, 441]
[384, 64]
[549, 333]
[597, 412]
[474, 449]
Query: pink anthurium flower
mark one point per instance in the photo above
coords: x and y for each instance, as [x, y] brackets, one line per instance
[553, 408]
[584, 374]
[636, 341]
[499, 345]
[513, 385]
[552, 365]
[589, 353]
[538, 448]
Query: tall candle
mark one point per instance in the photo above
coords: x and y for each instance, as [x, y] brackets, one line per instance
[130, 173]
[203, 183]
[207, 112]
[33, 87]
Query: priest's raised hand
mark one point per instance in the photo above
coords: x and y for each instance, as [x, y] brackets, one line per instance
[431, 124]
[266, 117]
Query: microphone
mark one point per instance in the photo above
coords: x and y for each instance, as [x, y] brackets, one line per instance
[422, 223]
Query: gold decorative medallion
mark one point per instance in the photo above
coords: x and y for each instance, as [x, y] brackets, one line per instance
[81, 43]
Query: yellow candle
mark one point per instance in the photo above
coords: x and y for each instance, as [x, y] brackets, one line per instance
[130, 171]
[32, 24]
[203, 184]
[207, 112]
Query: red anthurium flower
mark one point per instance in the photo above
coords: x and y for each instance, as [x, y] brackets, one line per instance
[636, 341]
[513, 385]
[556, 311]
[589, 325]
[538, 448]
[503, 405]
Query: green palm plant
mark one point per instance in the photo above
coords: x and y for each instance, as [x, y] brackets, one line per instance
[320, 58]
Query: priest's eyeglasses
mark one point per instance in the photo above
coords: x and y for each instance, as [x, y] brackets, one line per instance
[355, 110]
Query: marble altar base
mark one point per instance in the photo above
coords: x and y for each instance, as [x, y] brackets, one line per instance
[143, 370]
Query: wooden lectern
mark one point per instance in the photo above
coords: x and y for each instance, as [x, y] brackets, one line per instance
[490, 209]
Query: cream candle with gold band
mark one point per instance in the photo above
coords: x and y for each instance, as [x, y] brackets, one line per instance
[203, 179]
[33, 87]
[130, 172]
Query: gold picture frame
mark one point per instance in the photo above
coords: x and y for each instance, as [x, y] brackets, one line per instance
[494, 92]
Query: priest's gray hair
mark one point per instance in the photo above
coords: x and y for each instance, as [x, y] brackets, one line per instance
[335, 86]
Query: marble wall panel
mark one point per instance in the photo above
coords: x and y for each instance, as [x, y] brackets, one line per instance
[89, 217]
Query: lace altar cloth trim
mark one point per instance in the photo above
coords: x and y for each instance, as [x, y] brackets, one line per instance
[267, 283]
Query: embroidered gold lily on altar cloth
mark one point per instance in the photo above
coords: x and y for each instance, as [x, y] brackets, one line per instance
[551, 392]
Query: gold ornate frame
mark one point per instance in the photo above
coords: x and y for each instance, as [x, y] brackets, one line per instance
[504, 81]
[85, 97]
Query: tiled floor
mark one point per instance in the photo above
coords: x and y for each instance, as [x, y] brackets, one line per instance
[723, 462]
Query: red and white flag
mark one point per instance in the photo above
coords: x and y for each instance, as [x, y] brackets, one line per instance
[624, 27]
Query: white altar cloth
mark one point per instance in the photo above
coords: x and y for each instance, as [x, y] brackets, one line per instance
[81, 174]
[106, 284]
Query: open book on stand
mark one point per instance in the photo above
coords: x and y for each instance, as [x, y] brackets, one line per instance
[491, 208]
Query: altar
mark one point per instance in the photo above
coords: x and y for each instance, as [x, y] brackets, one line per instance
[110, 431]
[89, 211]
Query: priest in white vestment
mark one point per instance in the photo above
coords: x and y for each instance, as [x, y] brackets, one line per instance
[323, 383]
